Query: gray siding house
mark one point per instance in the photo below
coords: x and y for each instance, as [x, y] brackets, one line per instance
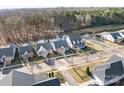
[60, 46]
[27, 49]
[110, 72]
[7, 54]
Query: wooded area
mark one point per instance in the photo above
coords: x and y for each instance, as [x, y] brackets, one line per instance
[23, 25]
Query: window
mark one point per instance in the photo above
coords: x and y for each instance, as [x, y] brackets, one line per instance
[78, 42]
[82, 41]
[74, 42]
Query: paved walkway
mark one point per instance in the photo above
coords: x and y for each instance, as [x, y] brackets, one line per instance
[69, 78]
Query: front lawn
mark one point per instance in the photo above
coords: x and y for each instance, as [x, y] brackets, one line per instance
[94, 46]
[87, 50]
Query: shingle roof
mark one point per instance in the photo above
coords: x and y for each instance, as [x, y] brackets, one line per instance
[105, 66]
[100, 74]
[24, 49]
[60, 44]
[116, 70]
[46, 45]
[17, 78]
[74, 37]
[49, 82]
[77, 39]
[113, 68]
[38, 45]
[115, 35]
[114, 58]
[7, 52]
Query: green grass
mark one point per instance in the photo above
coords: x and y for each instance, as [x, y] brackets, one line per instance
[88, 50]
[70, 51]
[36, 58]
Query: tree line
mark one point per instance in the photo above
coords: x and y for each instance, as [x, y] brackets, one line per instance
[23, 25]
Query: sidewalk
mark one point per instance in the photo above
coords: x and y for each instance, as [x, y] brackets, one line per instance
[69, 78]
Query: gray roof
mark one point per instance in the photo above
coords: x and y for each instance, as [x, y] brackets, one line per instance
[17, 78]
[46, 45]
[38, 45]
[60, 44]
[114, 58]
[77, 38]
[112, 69]
[7, 52]
[105, 66]
[49, 82]
[24, 49]
[122, 33]
[115, 35]
[116, 70]
[74, 37]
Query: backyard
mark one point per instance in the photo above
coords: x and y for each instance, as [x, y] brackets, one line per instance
[79, 73]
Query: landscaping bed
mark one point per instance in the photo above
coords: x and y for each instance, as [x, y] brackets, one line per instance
[59, 75]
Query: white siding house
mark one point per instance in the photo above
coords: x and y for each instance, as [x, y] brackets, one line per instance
[108, 37]
[113, 36]
[74, 41]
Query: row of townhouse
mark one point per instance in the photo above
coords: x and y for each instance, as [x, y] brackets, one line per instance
[42, 48]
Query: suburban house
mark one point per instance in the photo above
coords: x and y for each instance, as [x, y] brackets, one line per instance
[117, 37]
[7, 54]
[24, 77]
[122, 34]
[44, 48]
[74, 41]
[113, 37]
[60, 45]
[26, 50]
[110, 72]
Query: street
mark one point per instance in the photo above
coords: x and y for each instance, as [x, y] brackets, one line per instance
[63, 64]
